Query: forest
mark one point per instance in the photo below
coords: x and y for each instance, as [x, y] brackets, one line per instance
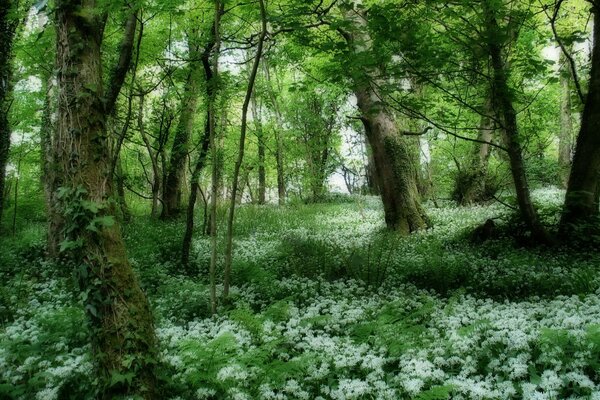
[299, 199]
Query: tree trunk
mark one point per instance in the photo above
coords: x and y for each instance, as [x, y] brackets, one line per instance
[581, 200]
[156, 176]
[123, 339]
[471, 182]
[281, 192]
[8, 27]
[395, 170]
[180, 149]
[262, 175]
[565, 138]
[505, 112]
[240, 157]
[211, 78]
[370, 172]
[395, 166]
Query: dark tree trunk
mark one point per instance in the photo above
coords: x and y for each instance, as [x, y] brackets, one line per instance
[123, 339]
[8, 27]
[120, 183]
[183, 134]
[211, 74]
[565, 138]
[240, 155]
[505, 112]
[581, 200]
[471, 182]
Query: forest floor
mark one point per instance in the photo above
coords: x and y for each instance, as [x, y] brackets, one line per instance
[327, 305]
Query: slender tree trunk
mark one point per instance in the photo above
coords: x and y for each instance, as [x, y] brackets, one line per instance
[505, 112]
[262, 175]
[8, 27]
[183, 134]
[565, 138]
[471, 182]
[281, 192]
[123, 339]
[211, 77]
[153, 158]
[120, 184]
[46, 134]
[211, 119]
[581, 200]
[240, 158]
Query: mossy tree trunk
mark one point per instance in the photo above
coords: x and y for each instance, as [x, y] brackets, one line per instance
[123, 339]
[183, 132]
[581, 200]
[471, 181]
[565, 138]
[8, 25]
[395, 166]
[393, 156]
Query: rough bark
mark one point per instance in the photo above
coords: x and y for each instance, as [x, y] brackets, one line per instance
[471, 182]
[581, 200]
[183, 133]
[123, 339]
[394, 162]
[8, 25]
[395, 169]
[565, 137]
[506, 113]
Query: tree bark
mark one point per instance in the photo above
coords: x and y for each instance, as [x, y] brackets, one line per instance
[183, 134]
[123, 339]
[156, 176]
[471, 182]
[505, 112]
[281, 191]
[565, 138]
[394, 162]
[581, 200]
[8, 26]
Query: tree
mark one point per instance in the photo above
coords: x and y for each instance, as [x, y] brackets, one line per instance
[8, 27]
[583, 189]
[240, 154]
[565, 137]
[506, 113]
[123, 338]
[183, 133]
[394, 161]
